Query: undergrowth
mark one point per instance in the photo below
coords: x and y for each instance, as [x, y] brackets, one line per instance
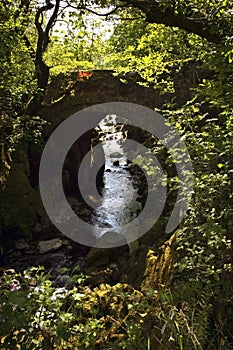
[34, 314]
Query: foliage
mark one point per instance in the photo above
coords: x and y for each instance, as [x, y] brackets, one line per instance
[16, 67]
[154, 51]
[204, 240]
[35, 315]
[76, 44]
[17, 86]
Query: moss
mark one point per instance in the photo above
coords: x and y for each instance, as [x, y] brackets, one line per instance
[158, 267]
[20, 203]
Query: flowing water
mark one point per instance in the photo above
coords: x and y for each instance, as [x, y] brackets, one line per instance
[119, 196]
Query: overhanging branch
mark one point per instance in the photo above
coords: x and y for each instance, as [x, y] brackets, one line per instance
[103, 14]
[155, 14]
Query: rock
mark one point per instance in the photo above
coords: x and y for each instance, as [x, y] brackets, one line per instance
[64, 281]
[22, 203]
[21, 244]
[111, 239]
[66, 242]
[38, 227]
[43, 230]
[101, 255]
[54, 261]
[97, 257]
[116, 163]
[104, 224]
[48, 246]
[113, 266]
[116, 155]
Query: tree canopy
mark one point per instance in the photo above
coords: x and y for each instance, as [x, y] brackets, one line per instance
[34, 23]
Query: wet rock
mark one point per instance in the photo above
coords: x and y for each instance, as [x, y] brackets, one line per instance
[50, 245]
[116, 163]
[104, 224]
[116, 155]
[111, 239]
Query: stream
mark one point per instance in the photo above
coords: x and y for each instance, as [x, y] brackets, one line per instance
[119, 196]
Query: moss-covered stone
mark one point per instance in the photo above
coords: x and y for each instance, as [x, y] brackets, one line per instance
[20, 203]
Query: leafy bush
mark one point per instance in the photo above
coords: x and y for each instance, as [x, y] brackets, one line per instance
[34, 314]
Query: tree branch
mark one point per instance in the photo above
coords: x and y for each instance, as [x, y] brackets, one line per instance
[155, 14]
[50, 24]
[42, 69]
[103, 14]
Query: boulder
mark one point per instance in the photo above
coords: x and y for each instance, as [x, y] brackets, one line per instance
[111, 239]
[20, 203]
[49, 246]
[101, 254]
